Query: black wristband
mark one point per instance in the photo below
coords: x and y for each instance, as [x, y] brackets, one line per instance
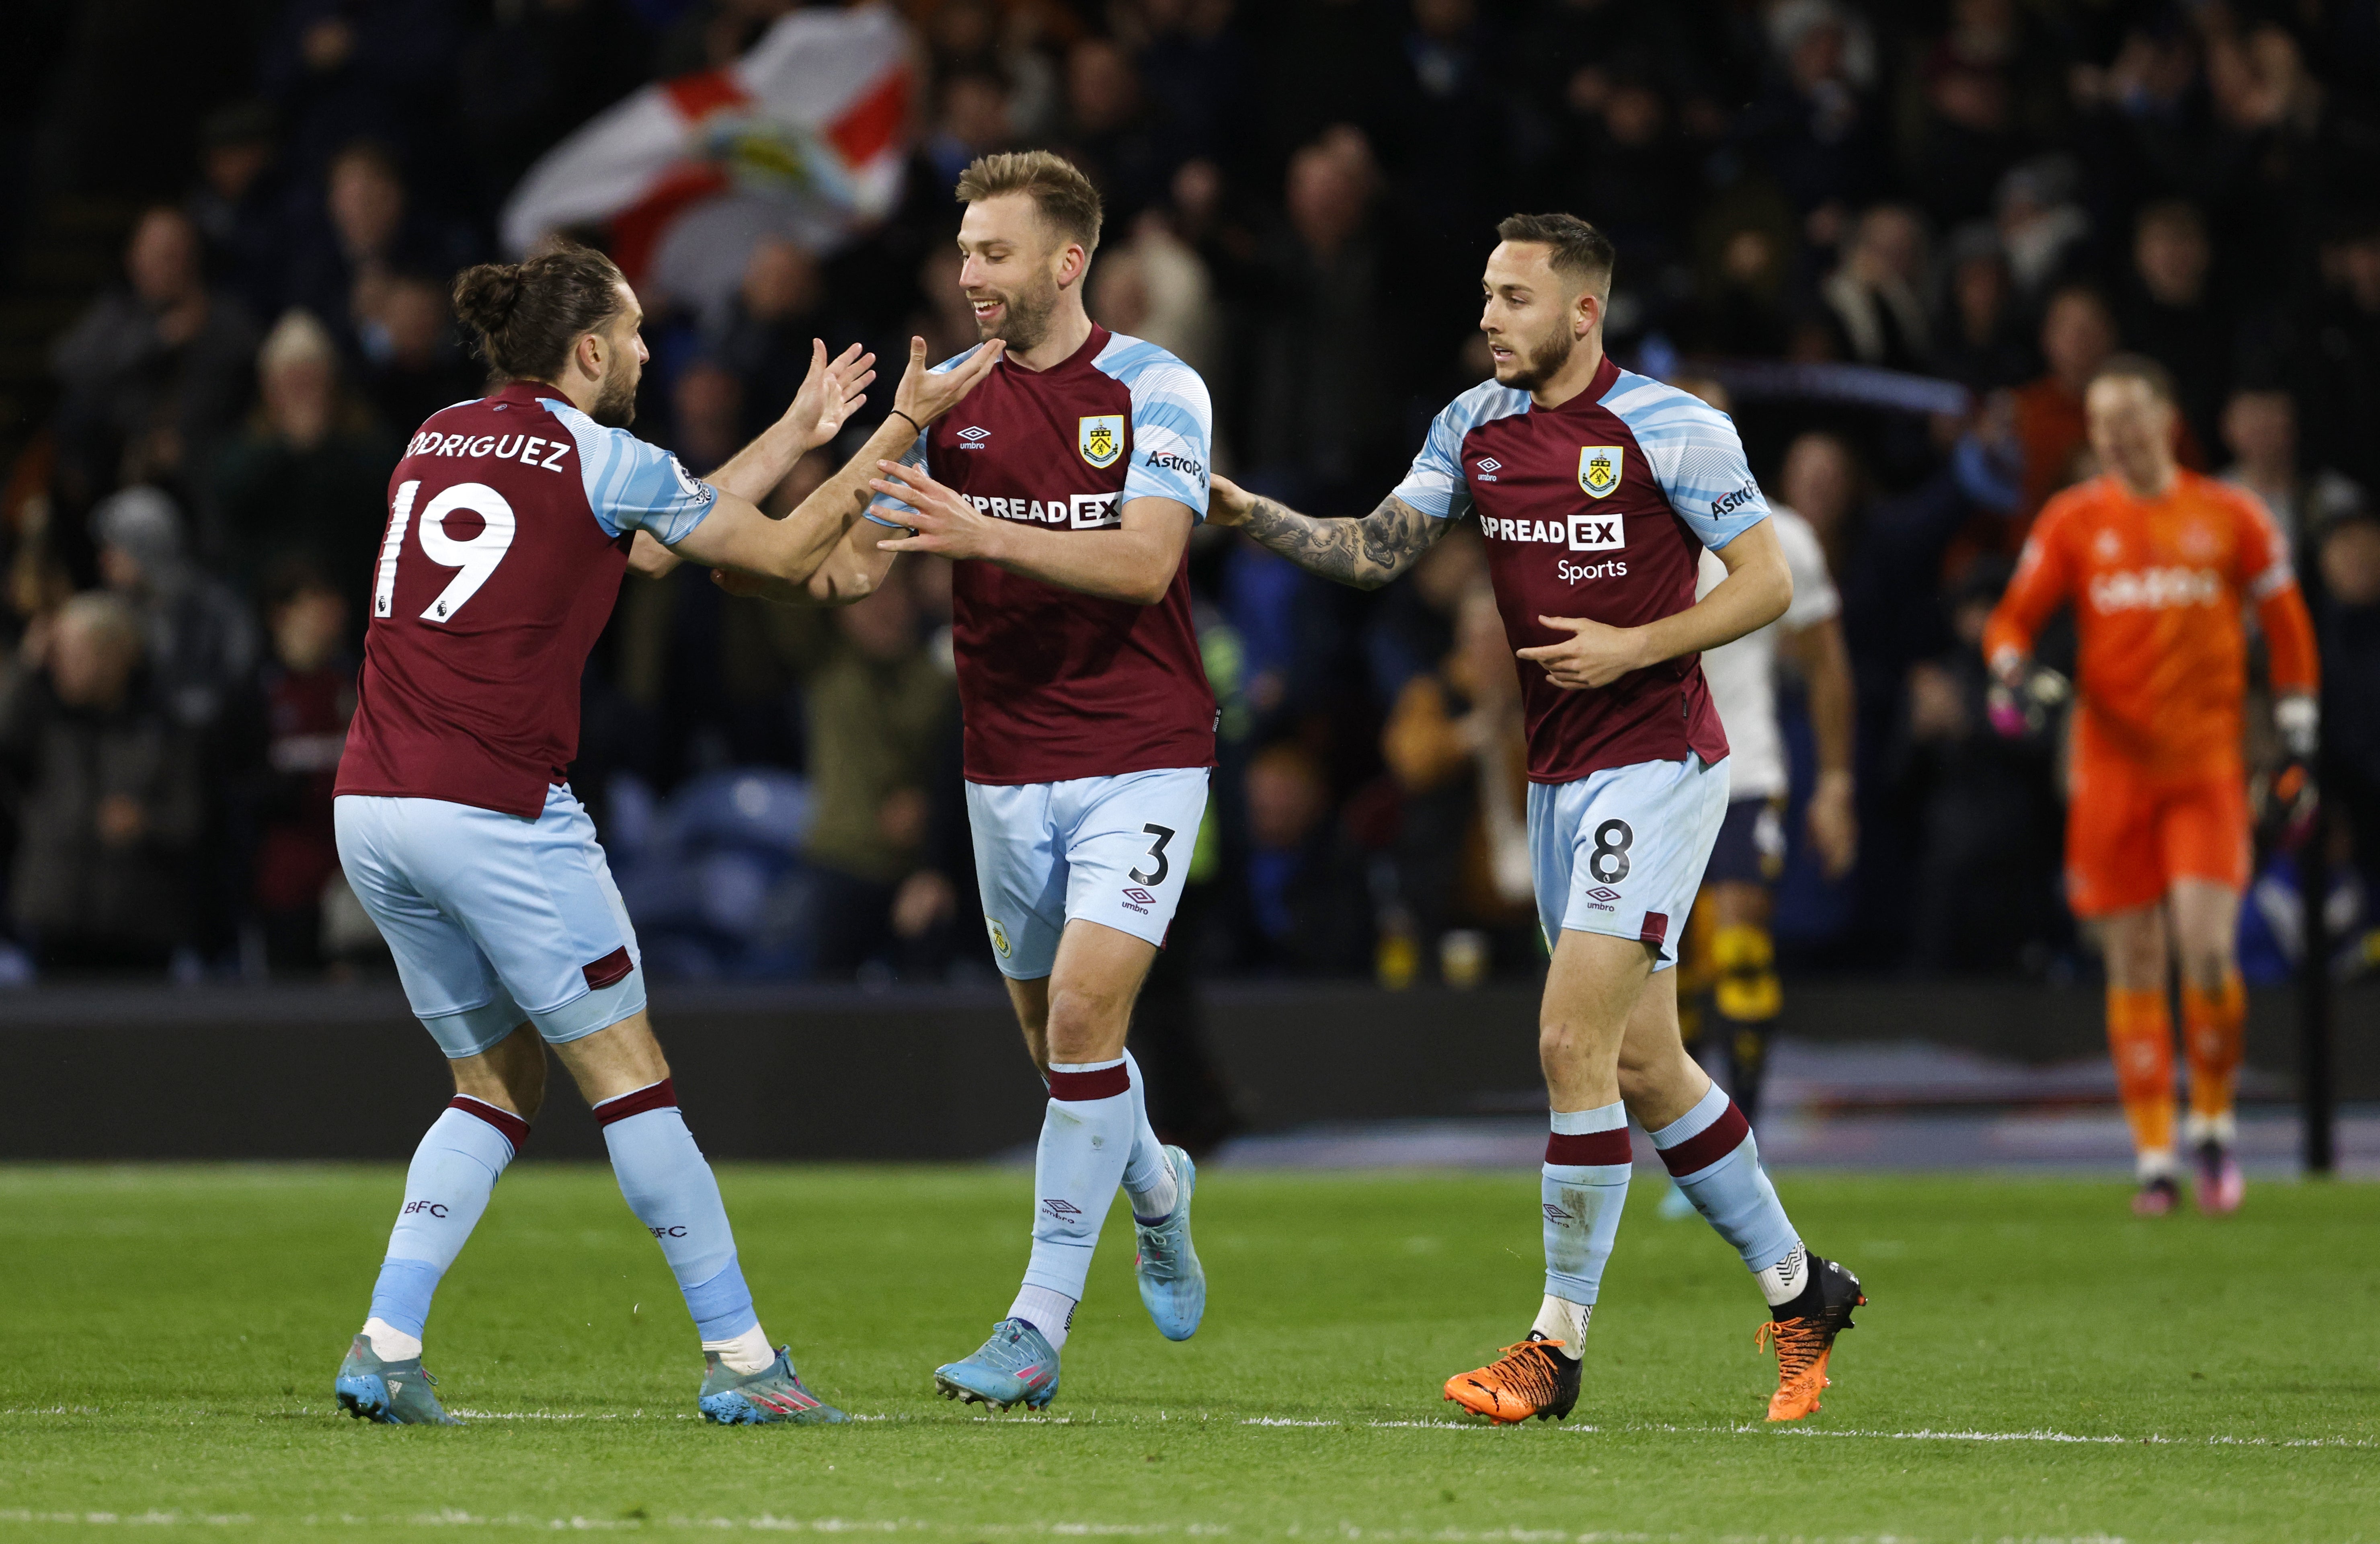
[912, 422]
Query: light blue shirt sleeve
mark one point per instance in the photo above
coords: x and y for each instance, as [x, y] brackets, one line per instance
[1172, 431]
[1693, 452]
[884, 508]
[1436, 485]
[634, 484]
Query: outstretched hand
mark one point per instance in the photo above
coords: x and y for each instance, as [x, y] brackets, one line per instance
[942, 521]
[924, 396]
[831, 392]
[1596, 654]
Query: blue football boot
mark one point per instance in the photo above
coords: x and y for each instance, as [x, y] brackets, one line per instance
[1017, 1366]
[393, 1393]
[772, 1395]
[1173, 1283]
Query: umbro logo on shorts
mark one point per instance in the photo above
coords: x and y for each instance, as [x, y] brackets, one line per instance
[1603, 893]
[1143, 896]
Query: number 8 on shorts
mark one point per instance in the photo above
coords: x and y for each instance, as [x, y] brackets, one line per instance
[1621, 852]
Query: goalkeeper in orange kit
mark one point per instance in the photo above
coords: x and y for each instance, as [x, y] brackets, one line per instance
[2161, 564]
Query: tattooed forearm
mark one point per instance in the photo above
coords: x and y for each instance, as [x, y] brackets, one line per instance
[1366, 554]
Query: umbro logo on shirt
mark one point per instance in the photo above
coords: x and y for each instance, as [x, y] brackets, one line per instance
[1488, 467]
[975, 435]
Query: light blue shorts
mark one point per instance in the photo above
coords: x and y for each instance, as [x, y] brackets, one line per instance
[1112, 850]
[494, 920]
[1621, 852]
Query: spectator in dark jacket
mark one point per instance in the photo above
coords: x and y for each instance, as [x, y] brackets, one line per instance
[154, 373]
[201, 645]
[107, 791]
[308, 691]
[309, 476]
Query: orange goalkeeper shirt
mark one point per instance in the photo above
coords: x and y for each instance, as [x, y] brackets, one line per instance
[2160, 587]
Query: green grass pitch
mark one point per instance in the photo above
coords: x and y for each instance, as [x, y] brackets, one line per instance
[2036, 1365]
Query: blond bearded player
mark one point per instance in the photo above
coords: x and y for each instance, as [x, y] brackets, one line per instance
[1065, 491]
[1597, 491]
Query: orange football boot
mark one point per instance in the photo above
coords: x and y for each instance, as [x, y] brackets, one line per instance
[1806, 1342]
[1531, 1378]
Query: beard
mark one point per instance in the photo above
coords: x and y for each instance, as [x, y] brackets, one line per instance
[1028, 317]
[1540, 364]
[615, 400]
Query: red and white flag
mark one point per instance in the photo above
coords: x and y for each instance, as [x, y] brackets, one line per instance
[816, 116]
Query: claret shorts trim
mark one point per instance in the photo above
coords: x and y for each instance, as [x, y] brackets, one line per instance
[494, 920]
[1621, 852]
[1112, 850]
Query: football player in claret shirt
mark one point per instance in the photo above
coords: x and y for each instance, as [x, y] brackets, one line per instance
[1066, 491]
[1597, 491]
[511, 521]
[2160, 563]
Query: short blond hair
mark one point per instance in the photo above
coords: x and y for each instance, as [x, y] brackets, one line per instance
[1057, 186]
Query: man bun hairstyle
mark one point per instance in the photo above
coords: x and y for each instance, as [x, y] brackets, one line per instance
[526, 315]
[1058, 189]
[2141, 368]
[1579, 251]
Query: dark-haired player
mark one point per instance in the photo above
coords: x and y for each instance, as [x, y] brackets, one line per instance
[1066, 490]
[511, 520]
[1597, 491]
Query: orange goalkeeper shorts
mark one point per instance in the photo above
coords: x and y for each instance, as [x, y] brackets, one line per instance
[2130, 835]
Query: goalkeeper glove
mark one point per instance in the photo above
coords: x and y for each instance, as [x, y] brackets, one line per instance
[2025, 697]
[2289, 798]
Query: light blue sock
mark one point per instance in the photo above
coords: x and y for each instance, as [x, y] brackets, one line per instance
[454, 1171]
[1148, 1174]
[669, 1185]
[1087, 1134]
[1584, 1187]
[1710, 1151]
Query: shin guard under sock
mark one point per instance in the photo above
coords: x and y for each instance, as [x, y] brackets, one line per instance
[2140, 1038]
[1712, 1155]
[2214, 1027]
[668, 1184]
[1583, 1187]
[1087, 1134]
[454, 1172]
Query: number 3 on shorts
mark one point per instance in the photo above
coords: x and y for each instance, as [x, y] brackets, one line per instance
[1608, 861]
[1156, 851]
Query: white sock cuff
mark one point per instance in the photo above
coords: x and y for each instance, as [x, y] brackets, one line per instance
[1089, 1067]
[1585, 1123]
[1694, 1121]
[1051, 1312]
[748, 1352]
[389, 1343]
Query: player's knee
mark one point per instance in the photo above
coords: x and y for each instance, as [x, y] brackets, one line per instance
[1086, 1025]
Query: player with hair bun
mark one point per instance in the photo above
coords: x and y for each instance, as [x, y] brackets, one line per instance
[511, 522]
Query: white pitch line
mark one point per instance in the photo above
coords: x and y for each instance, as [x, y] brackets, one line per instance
[1922, 1436]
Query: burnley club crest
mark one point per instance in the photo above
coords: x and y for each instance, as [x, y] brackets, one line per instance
[1102, 440]
[1598, 470]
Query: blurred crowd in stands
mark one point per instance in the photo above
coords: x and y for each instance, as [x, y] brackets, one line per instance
[1901, 236]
